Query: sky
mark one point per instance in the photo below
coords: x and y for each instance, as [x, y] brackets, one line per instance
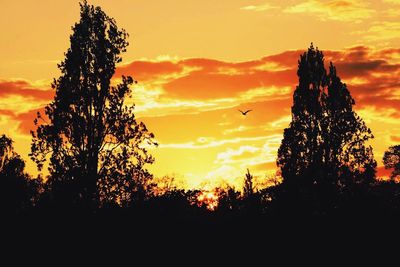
[198, 62]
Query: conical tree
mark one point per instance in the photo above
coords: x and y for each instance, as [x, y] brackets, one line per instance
[325, 143]
[301, 150]
[95, 145]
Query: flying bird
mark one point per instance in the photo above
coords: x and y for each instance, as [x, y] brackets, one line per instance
[245, 112]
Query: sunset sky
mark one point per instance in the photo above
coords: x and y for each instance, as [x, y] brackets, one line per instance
[198, 62]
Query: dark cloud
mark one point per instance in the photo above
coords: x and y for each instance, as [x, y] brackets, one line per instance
[358, 68]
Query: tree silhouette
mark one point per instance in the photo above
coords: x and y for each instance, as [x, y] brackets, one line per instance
[391, 160]
[6, 150]
[248, 189]
[17, 191]
[228, 199]
[324, 145]
[301, 151]
[346, 155]
[97, 149]
[251, 196]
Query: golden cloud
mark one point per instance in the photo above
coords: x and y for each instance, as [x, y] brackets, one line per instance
[381, 31]
[258, 8]
[340, 10]
[392, 1]
[192, 106]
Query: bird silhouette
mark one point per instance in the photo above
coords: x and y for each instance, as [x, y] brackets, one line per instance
[244, 112]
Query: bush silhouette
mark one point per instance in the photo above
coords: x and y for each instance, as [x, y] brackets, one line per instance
[18, 192]
[391, 159]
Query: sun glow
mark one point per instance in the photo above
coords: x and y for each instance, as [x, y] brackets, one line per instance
[208, 199]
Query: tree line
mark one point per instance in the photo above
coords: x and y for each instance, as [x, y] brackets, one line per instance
[96, 152]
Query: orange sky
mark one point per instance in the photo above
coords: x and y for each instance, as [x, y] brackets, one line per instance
[197, 62]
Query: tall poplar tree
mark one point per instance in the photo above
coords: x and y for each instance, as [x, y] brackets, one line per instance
[97, 149]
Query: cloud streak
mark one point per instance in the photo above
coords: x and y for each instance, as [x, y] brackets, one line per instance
[216, 143]
[24, 89]
[258, 8]
[339, 10]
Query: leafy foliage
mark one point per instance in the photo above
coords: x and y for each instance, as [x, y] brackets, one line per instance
[248, 189]
[17, 191]
[325, 142]
[391, 159]
[97, 149]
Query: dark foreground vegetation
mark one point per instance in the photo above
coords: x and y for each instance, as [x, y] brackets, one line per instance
[96, 152]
